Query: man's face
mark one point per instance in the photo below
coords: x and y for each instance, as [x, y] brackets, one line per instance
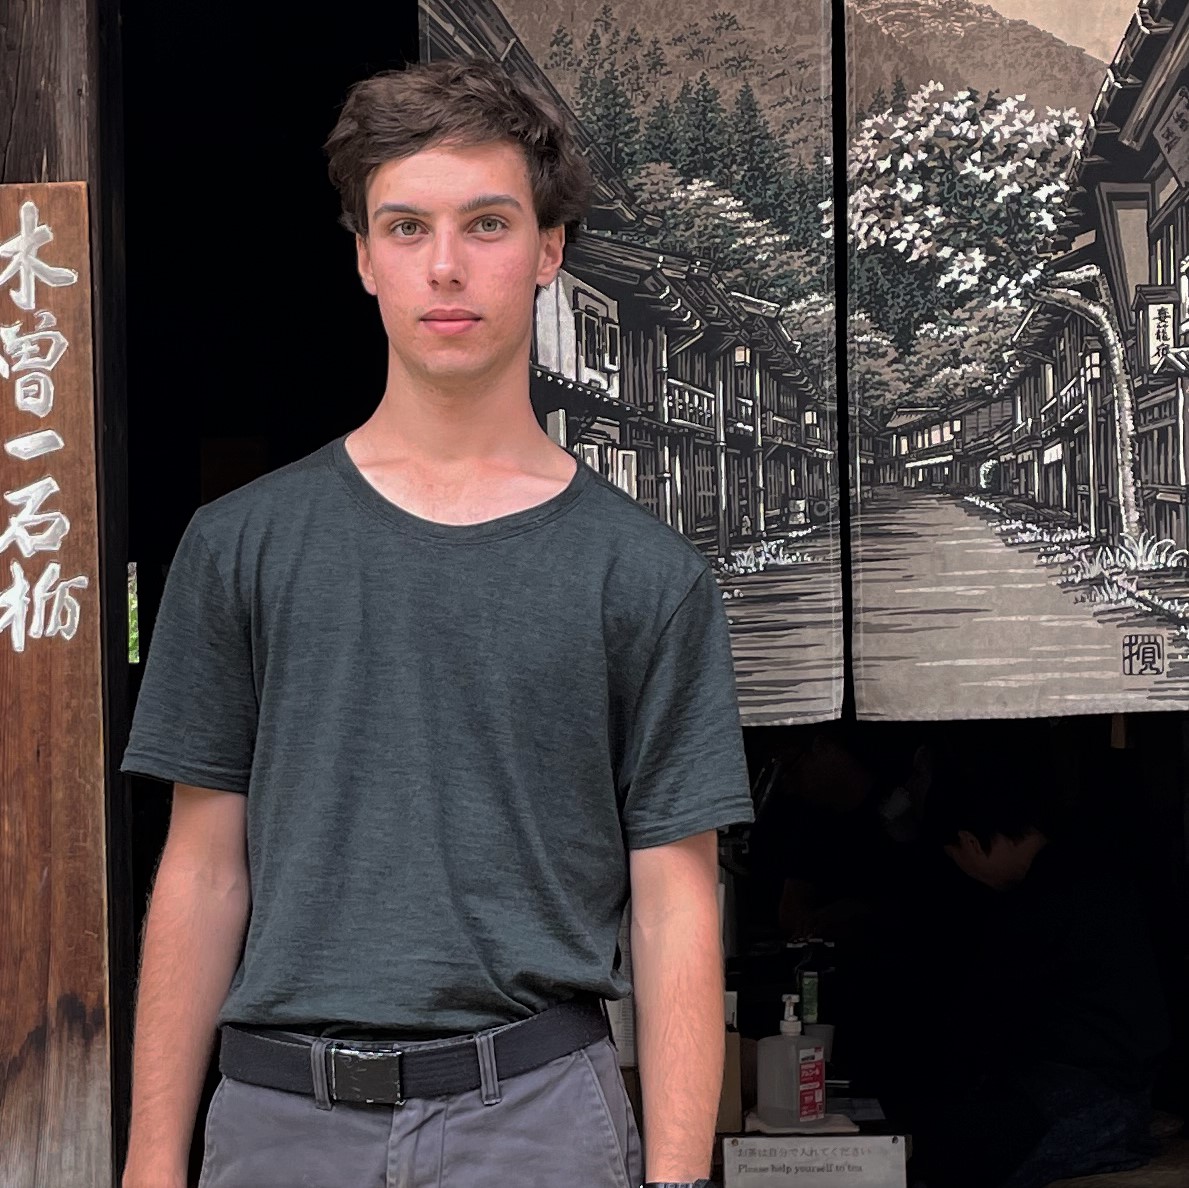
[454, 254]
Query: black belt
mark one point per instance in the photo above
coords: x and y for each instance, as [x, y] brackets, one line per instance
[381, 1072]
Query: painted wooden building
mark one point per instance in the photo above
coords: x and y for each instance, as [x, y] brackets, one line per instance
[1087, 422]
[687, 395]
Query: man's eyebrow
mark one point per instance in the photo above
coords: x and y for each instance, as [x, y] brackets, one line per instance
[489, 200]
[468, 207]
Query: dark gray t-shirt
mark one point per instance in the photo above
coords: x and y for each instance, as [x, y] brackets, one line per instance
[449, 737]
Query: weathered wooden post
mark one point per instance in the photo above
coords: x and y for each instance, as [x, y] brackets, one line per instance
[62, 607]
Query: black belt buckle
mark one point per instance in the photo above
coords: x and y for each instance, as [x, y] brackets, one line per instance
[371, 1075]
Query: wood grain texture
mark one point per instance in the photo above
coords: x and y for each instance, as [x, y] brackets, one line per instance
[47, 99]
[55, 1095]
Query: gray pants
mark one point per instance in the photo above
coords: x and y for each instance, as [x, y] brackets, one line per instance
[566, 1123]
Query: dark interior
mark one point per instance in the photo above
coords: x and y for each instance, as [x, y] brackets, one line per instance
[251, 341]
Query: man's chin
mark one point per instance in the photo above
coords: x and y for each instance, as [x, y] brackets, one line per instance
[459, 370]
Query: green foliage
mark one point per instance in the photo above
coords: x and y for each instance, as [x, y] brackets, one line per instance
[133, 616]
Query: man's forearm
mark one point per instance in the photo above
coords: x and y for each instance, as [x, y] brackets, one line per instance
[678, 990]
[193, 936]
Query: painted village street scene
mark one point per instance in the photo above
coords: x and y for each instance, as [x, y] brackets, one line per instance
[1018, 259]
[686, 350]
[1019, 277]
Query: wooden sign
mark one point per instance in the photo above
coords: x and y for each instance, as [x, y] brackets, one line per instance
[1172, 135]
[819, 1161]
[55, 1097]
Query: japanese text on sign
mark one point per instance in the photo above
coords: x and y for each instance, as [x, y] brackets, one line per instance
[1172, 135]
[1160, 332]
[34, 607]
[850, 1161]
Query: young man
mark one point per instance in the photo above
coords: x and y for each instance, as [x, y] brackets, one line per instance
[433, 700]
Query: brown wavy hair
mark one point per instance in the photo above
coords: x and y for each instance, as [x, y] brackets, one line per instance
[462, 102]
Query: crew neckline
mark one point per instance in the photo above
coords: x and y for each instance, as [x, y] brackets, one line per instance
[502, 526]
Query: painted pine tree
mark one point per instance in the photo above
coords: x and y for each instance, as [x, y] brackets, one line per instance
[613, 120]
[656, 63]
[561, 57]
[588, 71]
[631, 72]
[659, 135]
[759, 166]
[707, 133]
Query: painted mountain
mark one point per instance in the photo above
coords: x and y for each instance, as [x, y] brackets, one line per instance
[959, 43]
[778, 50]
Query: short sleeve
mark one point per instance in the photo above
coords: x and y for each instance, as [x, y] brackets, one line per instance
[684, 770]
[195, 718]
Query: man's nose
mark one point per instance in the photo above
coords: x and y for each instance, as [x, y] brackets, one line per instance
[446, 266]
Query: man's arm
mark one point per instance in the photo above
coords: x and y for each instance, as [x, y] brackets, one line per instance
[678, 989]
[193, 935]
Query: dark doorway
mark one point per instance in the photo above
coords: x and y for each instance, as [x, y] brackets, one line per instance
[250, 339]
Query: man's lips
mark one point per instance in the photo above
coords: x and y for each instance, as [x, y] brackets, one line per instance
[452, 323]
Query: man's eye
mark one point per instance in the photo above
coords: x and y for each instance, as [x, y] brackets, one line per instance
[490, 223]
[401, 228]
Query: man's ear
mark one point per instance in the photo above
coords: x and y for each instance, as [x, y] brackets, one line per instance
[968, 843]
[553, 243]
[364, 263]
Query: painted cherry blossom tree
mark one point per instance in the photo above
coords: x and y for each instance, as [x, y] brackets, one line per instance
[956, 208]
[951, 200]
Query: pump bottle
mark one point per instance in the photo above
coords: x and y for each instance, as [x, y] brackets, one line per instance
[790, 1073]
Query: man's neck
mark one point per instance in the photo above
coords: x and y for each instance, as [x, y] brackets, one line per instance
[460, 457]
[447, 426]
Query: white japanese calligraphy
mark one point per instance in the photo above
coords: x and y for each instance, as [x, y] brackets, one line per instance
[23, 348]
[32, 445]
[63, 607]
[53, 524]
[35, 393]
[47, 607]
[23, 249]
